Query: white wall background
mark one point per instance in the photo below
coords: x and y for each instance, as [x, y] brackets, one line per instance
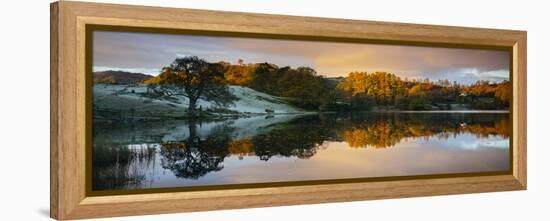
[24, 109]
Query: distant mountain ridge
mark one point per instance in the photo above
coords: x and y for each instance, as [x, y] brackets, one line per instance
[119, 77]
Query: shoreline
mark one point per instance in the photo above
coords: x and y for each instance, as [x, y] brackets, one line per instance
[443, 111]
[224, 117]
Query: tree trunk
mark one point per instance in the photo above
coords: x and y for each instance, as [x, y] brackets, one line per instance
[192, 106]
[193, 138]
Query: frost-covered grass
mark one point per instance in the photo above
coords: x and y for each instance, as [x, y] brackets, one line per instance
[121, 98]
[257, 102]
[125, 98]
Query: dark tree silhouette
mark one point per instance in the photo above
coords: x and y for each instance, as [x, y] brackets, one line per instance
[195, 157]
[189, 163]
[195, 79]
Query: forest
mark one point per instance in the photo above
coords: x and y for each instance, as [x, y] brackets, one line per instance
[303, 87]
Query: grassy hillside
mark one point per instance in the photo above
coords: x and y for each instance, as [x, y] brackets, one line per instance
[133, 101]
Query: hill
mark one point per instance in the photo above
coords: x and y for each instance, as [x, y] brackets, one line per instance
[119, 77]
[112, 101]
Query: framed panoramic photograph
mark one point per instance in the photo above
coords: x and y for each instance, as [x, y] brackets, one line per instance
[203, 110]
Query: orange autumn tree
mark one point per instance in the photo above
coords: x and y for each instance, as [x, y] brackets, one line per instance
[385, 88]
[504, 92]
[239, 74]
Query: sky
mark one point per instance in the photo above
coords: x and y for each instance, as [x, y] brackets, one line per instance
[147, 53]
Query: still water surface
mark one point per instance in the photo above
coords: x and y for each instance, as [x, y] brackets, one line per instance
[296, 147]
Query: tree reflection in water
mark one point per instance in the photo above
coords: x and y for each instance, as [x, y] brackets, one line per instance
[196, 157]
[116, 167]
[385, 130]
[300, 138]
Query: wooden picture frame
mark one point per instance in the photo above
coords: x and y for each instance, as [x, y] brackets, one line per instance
[69, 97]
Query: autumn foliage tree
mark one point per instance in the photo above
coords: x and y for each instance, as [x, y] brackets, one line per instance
[301, 86]
[239, 74]
[389, 90]
[503, 92]
[384, 87]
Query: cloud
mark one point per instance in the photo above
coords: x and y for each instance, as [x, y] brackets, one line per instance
[490, 75]
[147, 51]
[336, 59]
[154, 51]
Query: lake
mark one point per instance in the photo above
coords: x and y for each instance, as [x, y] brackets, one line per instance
[279, 148]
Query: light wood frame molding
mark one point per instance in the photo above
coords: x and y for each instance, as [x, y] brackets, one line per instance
[68, 109]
